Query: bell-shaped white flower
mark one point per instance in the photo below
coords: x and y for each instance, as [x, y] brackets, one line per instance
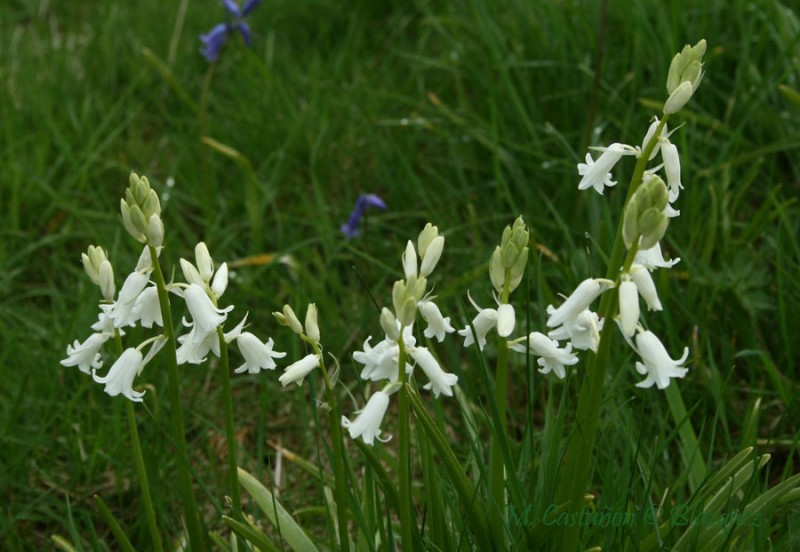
[122, 310]
[381, 362]
[583, 296]
[656, 363]
[483, 323]
[257, 355]
[552, 358]
[148, 309]
[441, 382]
[205, 315]
[653, 258]
[583, 331]
[119, 379]
[367, 424]
[438, 325]
[506, 320]
[195, 346]
[597, 174]
[296, 372]
[672, 166]
[86, 355]
[646, 287]
[628, 306]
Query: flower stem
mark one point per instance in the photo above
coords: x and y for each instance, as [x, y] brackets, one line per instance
[230, 437]
[338, 456]
[575, 477]
[138, 462]
[497, 468]
[404, 459]
[178, 431]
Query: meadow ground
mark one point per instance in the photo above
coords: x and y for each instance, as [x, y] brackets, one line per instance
[466, 114]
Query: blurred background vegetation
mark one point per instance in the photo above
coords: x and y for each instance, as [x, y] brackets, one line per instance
[464, 113]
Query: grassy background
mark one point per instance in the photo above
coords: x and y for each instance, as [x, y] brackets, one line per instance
[463, 113]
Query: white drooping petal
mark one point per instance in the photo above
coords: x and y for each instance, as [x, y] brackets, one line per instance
[122, 310]
[257, 355]
[583, 331]
[441, 382]
[483, 323]
[586, 292]
[597, 174]
[647, 288]
[552, 358]
[204, 314]
[297, 371]
[237, 331]
[410, 260]
[86, 355]
[220, 282]
[148, 308]
[438, 326]
[119, 379]
[196, 345]
[650, 132]
[672, 166]
[506, 320]
[653, 258]
[145, 263]
[367, 424]
[380, 362]
[656, 363]
[628, 307]
[432, 255]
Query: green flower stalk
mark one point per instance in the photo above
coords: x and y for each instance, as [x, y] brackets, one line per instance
[636, 250]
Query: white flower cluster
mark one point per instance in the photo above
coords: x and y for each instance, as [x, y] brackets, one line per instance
[382, 361]
[138, 303]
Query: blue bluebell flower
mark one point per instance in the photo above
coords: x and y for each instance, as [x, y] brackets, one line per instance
[350, 228]
[214, 41]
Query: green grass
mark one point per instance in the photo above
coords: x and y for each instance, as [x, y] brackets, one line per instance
[465, 114]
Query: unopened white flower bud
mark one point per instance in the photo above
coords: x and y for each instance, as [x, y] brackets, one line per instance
[431, 256]
[289, 318]
[428, 234]
[106, 280]
[204, 263]
[190, 273]
[679, 97]
[155, 231]
[409, 260]
[312, 327]
[220, 282]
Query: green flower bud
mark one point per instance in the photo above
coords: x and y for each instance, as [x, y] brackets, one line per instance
[398, 295]
[106, 277]
[686, 67]
[518, 269]
[497, 272]
[155, 231]
[408, 311]
[389, 324]
[645, 220]
[128, 221]
[138, 207]
[289, 319]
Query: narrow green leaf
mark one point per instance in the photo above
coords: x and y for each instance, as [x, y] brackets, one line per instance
[115, 527]
[252, 534]
[295, 537]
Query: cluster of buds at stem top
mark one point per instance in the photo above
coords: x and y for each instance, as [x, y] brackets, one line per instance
[510, 257]
[141, 212]
[405, 295]
[99, 270]
[685, 74]
[203, 273]
[645, 220]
